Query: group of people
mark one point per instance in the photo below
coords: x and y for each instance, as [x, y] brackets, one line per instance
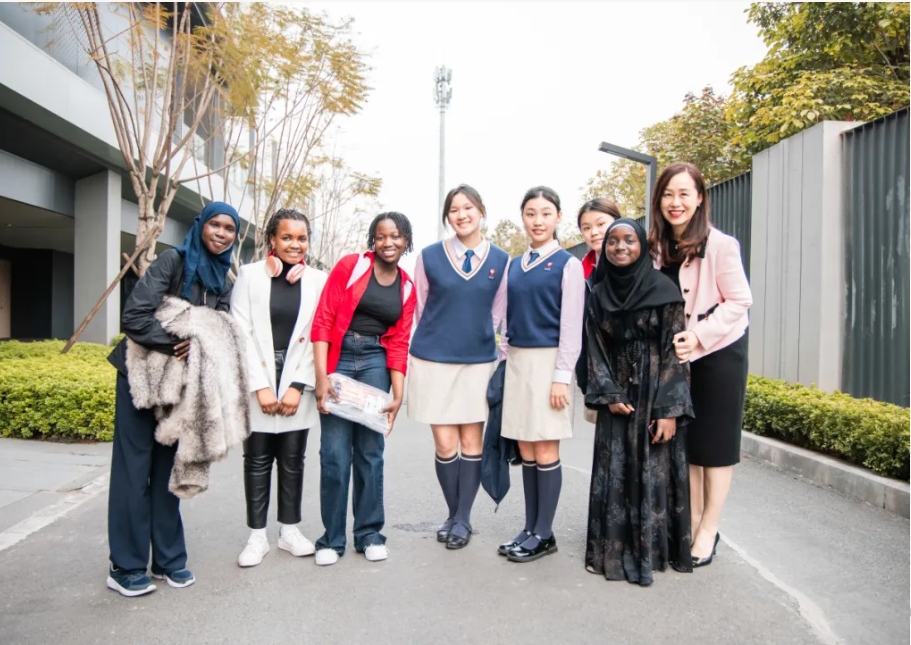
[652, 326]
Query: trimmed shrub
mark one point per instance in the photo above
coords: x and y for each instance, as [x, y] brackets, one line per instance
[862, 431]
[46, 394]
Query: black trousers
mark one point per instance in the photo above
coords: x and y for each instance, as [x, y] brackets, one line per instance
[142, 512]
[260, 450]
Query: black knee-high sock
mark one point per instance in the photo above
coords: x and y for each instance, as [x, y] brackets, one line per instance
[469, 482]
[448, 476]
[530, 484]
[550, 480]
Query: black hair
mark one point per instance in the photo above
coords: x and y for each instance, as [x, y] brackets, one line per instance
[401, 222]
[600, 205]
[282, 213]
[547, 193]
[470, 193]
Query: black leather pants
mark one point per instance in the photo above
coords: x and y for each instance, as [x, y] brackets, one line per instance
[260, 450]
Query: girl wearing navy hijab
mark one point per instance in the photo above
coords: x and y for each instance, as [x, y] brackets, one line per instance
[461, 300]
[543, 339]
[142, 512]
[639, 512]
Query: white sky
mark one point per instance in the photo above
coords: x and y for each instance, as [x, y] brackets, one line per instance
[536, 88]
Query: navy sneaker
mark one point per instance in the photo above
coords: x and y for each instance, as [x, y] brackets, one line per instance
[178, 579]
[129, 584]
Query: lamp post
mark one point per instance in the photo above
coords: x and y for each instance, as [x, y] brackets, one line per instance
[651, 170]
[442, 94]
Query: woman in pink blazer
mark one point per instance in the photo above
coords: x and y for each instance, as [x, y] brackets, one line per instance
[705, 263]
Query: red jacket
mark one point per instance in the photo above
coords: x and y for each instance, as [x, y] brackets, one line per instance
[341, 295]
[589, 262]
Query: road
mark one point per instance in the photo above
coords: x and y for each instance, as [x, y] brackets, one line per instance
[798, 564]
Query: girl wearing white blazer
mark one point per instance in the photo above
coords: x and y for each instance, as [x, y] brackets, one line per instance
[273, 301]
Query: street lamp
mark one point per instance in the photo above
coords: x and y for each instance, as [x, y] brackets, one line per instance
[442, 94]
[651, 170]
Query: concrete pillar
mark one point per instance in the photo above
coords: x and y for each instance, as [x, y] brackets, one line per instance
[797, 258]
[97, 254]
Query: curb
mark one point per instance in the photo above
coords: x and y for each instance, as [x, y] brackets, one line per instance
[890, 494]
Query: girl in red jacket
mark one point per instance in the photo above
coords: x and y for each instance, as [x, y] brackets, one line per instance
[361, 330]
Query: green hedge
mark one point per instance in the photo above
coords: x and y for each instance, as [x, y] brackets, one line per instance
[865, 432]
[64, 397]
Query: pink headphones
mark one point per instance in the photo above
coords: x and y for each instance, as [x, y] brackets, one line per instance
[274, 268]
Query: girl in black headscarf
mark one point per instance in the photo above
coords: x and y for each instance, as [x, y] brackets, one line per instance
[638, 516]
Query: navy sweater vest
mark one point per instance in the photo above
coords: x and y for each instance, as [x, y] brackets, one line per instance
[535, 299]
[456, 325]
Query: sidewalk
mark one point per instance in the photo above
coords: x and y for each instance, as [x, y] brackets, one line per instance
[35, 475]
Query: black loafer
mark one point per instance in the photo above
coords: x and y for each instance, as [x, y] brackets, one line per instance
[443, 531]
[544, 547]
[458, 541]
[506, 547]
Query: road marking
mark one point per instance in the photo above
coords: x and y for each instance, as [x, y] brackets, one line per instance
[51, 514]
[808, 610]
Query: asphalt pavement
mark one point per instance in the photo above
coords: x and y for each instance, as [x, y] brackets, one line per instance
[797, 564]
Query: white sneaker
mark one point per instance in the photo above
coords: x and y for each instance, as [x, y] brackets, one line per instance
[293, 541]
[257, 547]
[325, 557]
[376, 552]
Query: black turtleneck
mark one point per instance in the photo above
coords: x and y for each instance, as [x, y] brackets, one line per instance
[284, 306]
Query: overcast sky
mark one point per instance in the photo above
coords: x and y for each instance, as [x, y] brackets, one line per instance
[536, 88]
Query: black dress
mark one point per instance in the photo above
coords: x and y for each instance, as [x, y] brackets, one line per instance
[718, 384]
[639, 508]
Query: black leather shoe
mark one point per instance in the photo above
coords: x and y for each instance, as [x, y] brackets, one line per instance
[443, 531]
[506, 547]
[704, 562]
[458, 541]
[545, 547]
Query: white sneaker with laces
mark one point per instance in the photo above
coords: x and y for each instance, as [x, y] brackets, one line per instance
[257, 547]
[376, 552]
[293, 541]
[325, 557]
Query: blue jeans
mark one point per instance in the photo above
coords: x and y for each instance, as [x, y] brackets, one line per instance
[344, 443]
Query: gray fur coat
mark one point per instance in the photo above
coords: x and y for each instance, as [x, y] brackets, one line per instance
[201, 403]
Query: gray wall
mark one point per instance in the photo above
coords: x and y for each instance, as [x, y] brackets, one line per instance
[731, 211]
[797, 258]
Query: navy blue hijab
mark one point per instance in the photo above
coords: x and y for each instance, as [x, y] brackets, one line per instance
[198, 262]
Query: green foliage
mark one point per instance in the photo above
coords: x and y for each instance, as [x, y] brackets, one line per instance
[44, 393]
[826, 61]
[862, 431]
[509, 237]
[699, 133]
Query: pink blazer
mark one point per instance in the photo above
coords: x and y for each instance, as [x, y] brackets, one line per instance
[716, 293]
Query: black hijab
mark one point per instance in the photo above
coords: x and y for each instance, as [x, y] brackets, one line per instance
[634, 287]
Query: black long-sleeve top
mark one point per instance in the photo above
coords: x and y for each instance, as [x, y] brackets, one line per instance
[284, 307]
[164, 277]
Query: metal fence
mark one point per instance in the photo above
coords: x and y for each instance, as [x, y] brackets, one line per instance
[731, 209]
[876, 352]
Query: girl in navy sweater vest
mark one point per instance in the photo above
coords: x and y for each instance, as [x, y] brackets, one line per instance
[461, 300]
[543, 337]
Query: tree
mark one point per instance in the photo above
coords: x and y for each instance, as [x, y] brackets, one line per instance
[175, 73]
[509, 237]
[826, 61]
[699, 133]
[338, 212]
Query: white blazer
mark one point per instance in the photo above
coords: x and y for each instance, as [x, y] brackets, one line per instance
[250, 308]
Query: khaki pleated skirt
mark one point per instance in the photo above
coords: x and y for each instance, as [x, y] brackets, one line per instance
[448, 393]
[527, 414]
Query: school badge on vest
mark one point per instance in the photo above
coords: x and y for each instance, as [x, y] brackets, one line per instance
[492, 272]
[547, 267]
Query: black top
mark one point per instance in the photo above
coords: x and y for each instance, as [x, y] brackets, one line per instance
[284, 307]
[673, 272]
[379, 309]
[164, 277]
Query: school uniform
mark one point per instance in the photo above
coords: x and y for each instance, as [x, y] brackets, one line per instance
[461, 301]
[545, 308]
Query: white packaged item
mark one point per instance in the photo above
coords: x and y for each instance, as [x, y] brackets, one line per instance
[359, 402]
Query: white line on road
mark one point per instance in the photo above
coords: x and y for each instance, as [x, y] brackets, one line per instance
[51, 514]
[809, 610]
